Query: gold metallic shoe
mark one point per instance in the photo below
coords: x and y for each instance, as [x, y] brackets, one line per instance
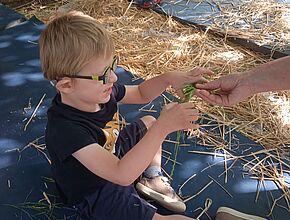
[159, 190]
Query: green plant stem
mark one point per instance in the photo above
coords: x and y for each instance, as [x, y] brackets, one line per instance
[188, 92]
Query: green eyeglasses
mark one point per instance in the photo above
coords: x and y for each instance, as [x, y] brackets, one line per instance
[106, 74]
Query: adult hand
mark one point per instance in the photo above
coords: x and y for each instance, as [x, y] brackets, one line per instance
[226, 91]
[178, 79]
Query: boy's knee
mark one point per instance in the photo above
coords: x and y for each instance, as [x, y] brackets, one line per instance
[148, 120]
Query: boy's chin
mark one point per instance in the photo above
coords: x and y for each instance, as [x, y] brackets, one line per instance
[106, 100]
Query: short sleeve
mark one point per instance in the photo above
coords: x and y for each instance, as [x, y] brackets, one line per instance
[66, 141]
[119, 91]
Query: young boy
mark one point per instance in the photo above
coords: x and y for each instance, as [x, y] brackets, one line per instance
[93, 168]
[78, 54]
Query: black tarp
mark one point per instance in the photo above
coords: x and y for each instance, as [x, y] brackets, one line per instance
[25, 178]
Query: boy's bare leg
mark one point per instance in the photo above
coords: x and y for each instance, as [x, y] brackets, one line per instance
[157, 187]
[148, 121]
[169, 217]
[157, 158]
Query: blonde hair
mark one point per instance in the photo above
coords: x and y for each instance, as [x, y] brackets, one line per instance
[69, 42]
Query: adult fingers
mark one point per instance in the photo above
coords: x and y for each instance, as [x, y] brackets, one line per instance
[212, 85]
[210, 98]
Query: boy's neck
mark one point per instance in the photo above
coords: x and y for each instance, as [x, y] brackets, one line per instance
[82, 106]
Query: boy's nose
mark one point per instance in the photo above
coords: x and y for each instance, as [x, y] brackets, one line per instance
[113, 77]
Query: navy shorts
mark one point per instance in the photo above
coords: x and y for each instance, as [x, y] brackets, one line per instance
[115, 202]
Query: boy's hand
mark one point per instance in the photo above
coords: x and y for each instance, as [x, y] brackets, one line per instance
[176, 117]
[178, 79]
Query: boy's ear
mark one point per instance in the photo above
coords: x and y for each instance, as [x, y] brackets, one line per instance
[65, 85]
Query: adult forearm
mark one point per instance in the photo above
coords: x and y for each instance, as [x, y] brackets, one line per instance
[139, 157]
[271, 76]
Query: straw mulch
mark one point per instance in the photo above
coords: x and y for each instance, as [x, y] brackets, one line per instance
[150, 44]
[264, 21]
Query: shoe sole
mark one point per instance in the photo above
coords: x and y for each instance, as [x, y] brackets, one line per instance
[161, 199]
[239, 214]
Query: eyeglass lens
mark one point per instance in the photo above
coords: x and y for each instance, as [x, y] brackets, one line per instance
[109, 69]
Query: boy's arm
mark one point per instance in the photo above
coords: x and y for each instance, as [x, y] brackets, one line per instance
[146, 91]
[125, 171]
[152, 88]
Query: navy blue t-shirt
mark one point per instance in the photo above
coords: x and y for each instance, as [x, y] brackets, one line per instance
[68, 130]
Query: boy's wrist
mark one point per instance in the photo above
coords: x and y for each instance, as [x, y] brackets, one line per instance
[162, 130]
[168, 78]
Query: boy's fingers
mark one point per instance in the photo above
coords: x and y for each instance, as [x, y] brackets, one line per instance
[193, 126]
[193, 118]
[192, 115]
[180, 93]
[202, 81]
[170, 105]
[188, 105]
[199, 71]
